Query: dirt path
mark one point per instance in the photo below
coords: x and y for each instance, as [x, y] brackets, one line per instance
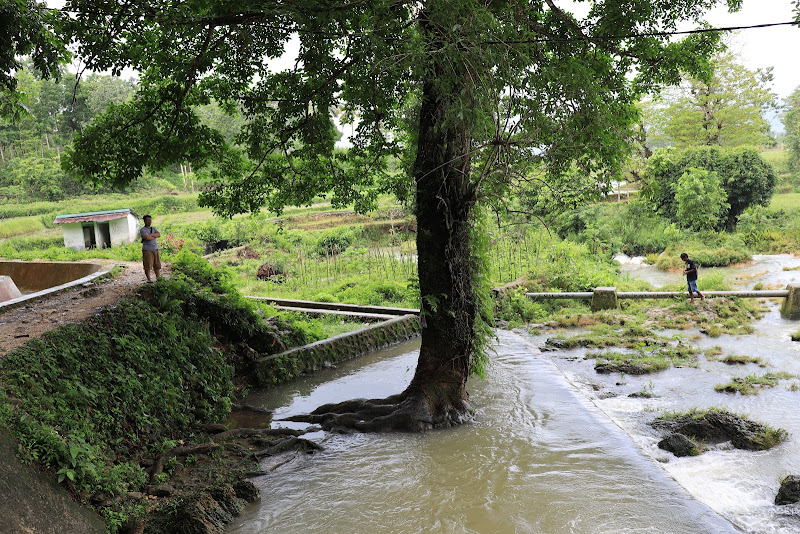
[37, 316]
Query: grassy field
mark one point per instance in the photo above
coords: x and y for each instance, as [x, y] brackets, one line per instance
[778, 158]
[786, 202]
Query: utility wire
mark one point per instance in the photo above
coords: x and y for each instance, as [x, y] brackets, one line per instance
[647, 34]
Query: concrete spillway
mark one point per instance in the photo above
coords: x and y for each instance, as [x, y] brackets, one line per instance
[22, 280]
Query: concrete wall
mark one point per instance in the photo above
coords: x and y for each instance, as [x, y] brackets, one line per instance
[283, 367]
[124, 230]
[73, 236]
[38, 275]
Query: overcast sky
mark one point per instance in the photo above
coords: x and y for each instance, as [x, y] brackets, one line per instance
[777, 47]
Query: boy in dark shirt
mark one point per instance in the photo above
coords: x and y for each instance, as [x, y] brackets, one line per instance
[691, 277]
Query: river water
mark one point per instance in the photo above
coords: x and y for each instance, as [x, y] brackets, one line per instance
[554, 448]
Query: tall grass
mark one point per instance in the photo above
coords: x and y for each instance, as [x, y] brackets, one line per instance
[19, 226]
[786, 202]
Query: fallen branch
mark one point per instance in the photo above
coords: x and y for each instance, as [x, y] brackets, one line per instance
[287, 444]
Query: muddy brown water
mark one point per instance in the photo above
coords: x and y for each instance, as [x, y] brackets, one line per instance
[538, 458]
[554, 448]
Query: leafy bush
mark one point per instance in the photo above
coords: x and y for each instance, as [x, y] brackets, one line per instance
[747, 179]
[518, 309]
[701, 199]
[634, 229]
[717, 257]
[191, 265]
[572, 267]
[335, 240]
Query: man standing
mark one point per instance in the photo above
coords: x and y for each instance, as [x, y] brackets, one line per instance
[151, 257]
[691, 277]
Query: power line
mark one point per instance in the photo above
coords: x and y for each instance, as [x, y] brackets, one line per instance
[646, 34]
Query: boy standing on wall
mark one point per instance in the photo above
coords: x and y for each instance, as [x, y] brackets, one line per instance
[151, 258]
[691, 277]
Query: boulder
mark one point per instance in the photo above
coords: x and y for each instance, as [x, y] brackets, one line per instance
[789, 491]
[723, 426]
[678, 444]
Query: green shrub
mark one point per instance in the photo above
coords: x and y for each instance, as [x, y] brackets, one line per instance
[189, 264]
[718, 257]
[701, 199]
[335, 240]
[518, 309]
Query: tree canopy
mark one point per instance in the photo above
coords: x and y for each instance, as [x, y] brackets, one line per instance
[27, 28]
[727, 108]
[474, 94]
[747, 180]
[791, 120]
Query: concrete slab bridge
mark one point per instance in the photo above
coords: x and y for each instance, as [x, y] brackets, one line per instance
[607, 298]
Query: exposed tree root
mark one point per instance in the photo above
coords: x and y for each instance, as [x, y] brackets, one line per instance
[255, 432]
[289, 439]
[158, 465]
[403, 413]
[285, 444]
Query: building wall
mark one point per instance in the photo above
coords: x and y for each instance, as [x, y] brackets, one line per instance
[124, 230]
[73, 236]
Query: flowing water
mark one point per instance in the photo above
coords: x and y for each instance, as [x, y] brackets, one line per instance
[554, 448]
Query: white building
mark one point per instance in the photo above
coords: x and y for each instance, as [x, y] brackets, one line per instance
[99, 229]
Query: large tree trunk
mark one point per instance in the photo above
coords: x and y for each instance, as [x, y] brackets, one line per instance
[446, 267]
[437, 395]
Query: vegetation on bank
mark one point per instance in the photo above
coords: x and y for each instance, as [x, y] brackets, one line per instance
[96, 403]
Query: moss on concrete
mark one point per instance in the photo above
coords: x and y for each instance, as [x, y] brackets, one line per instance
[280, 368]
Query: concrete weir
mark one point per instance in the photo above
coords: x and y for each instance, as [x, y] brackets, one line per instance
[607, 298]
[23, 280]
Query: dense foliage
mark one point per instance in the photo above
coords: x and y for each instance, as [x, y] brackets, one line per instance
[746, 178]
[130, 379]
[791, 121]
[701, 199]
[119, 384]
[727, 109]
[27, 28]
